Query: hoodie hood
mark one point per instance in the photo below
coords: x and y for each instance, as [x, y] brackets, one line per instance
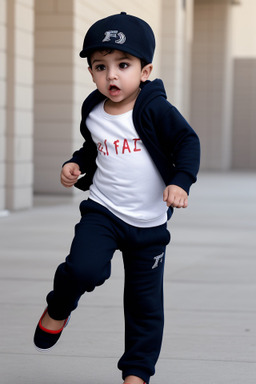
[151, 90]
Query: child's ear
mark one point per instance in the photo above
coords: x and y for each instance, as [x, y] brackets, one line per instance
[146, 71]
[90, 70]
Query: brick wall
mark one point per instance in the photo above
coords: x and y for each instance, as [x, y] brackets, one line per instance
[176, 41]
[244, 117]
[2, 100]
[53, 91]
[19, 101]
[211, 85]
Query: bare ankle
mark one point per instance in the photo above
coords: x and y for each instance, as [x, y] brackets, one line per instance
[51, 324]
[133, 380]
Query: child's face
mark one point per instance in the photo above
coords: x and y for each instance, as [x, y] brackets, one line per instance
[117, 75]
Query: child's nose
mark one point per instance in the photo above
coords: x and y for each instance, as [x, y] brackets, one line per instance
[111, 75]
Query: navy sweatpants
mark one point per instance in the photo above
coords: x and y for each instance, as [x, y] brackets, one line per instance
[97, 236]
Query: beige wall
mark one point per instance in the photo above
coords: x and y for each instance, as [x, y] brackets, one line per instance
[244, 29]
[2, 100]
[205, 54]
[244, 101]
[53, 127]
[244, 118]
[18, 111]
[176, 39]
[223, 97]
[211, 82]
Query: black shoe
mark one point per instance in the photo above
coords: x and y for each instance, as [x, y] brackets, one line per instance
[45, 339]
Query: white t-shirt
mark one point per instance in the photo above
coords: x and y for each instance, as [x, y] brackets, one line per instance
[126, 181]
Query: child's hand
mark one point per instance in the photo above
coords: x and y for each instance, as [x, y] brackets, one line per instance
[175, 197]
[69, 174]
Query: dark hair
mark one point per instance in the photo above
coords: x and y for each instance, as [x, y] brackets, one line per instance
[108, 51]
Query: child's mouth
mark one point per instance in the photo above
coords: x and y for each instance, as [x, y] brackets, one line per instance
[113, 88]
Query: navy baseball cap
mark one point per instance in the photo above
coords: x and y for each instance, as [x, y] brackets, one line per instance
[124, 32]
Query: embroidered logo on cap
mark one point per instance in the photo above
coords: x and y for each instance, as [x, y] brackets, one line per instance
[114, 34]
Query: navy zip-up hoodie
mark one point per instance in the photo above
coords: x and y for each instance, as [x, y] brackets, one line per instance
[171, 142]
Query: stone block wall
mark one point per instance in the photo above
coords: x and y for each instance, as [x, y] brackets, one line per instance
[18, 110]
[3, 32]
[244, 117]
[211, 82]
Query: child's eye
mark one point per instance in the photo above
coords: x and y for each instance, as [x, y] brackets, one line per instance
[123, 65]
[100, 67]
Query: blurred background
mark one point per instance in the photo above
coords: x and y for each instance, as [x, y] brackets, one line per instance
[206, 56]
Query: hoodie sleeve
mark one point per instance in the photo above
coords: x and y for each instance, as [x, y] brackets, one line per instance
[181, 146]
[85, 156]
[171, 142]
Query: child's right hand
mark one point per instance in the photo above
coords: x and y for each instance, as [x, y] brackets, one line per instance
[69, 174]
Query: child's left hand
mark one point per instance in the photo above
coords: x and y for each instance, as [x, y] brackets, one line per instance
[175, 197]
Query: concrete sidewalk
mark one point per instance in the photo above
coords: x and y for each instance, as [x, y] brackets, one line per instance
[210, 293]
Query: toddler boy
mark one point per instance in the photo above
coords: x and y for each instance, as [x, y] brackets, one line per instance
[139, 159]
